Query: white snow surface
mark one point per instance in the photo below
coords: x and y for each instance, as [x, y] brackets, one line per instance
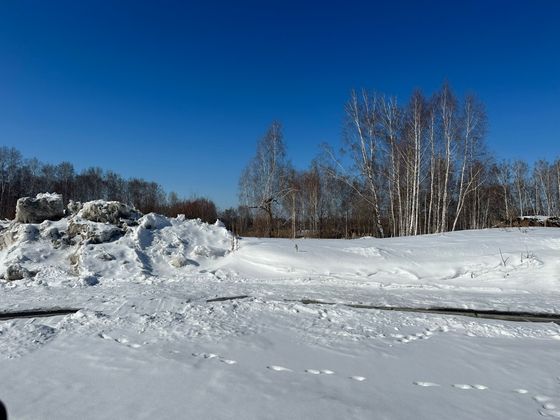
[146, 343]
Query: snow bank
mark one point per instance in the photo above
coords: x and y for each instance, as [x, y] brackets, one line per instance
[498, 259]
[109, 241]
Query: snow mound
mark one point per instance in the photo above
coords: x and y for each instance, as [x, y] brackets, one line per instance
[108, 241]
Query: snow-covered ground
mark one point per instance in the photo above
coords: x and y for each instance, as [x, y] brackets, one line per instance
[146, 342]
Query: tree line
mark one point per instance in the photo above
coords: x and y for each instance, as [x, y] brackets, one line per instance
[21, 177]
[402, 169]
[409, 168]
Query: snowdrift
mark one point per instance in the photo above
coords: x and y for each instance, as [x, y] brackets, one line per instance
[102, 240]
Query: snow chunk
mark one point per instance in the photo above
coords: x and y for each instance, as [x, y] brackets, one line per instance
[74, 207]
[45, 206]
[16, 272]
[154, 221]
[178, 261]
[94, 233]
[113, 212]
[18, 233]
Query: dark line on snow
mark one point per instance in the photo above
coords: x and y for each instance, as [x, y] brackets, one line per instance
[518, 316]
[37, 313]
[221, 299]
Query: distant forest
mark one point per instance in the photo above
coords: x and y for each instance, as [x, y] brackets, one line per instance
[21, 177]
[401, 169]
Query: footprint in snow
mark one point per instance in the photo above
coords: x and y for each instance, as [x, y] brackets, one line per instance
[412, 337]
[123, 341]
[550, 413]
[205, 355]
[541, 398]
[467, 386]
[215, 356]
[279, 368]
[320, 372]
[425, 384]
[462, 386]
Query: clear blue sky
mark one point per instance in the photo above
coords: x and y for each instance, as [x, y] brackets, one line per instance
[179, 92]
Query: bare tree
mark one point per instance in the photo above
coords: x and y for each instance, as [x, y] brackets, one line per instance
[447, 114]
[262, 184]
[520, 173]
[503, 174]
[471, 131]
[363, 141]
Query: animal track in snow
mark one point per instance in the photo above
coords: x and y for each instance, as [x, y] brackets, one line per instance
[550, 413]
[479, 387]
[123, 341]
[319, 372]
[541, 398]
[126, 342]
[425, 384]
[215, 356]
[548, 409]
[462, 386]
[279, 368]
[424, 335]
[205, 355]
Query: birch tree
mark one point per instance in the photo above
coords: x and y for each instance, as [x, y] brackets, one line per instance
[363, 143]
[262, 184]
[471, 131]
[447, 108]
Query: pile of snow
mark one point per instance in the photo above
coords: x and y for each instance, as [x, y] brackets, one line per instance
[45, 206]
[109, 241]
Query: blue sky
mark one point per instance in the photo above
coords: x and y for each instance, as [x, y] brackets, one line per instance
[179, 92]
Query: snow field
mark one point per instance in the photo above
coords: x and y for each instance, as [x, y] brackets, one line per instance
[147, 343]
